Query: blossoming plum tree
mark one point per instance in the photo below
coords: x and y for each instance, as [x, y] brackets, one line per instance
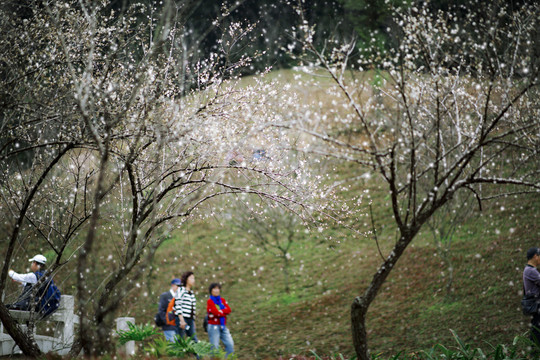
[456, 110]
[113, 132]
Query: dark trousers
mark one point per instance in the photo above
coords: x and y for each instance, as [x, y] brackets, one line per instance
[191, 331]
[535, 333]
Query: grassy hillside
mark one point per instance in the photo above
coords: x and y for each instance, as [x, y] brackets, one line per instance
[329, 268]
[413, 311]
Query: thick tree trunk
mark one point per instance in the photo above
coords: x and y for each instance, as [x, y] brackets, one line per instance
[83, 260]
[114, 297]
[104, 343]
[26, 344]
[361, 304]
[358, 317]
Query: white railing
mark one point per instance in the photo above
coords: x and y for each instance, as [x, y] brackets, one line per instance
[63, 322]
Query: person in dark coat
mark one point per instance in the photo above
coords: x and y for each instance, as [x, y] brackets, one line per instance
[170, 331]
[531, 286]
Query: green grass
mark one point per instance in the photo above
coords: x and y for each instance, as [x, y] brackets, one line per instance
[412, 311]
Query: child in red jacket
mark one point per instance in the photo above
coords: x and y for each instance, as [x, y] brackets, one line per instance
[218, 309]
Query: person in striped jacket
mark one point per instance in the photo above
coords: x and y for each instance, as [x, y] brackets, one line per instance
[218, 309]
[185, 306]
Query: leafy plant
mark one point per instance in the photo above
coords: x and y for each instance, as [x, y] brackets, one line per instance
[182, 347]
[136, 333]
[466, 352]
[158, 348]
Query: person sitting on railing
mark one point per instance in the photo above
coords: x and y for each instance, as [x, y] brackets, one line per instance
[47, 296]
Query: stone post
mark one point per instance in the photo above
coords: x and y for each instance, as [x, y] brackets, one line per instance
[122, 324]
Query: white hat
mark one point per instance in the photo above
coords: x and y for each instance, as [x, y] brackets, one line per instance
[39, 259]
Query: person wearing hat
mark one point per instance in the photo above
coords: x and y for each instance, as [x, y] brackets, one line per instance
[531, 286]
[38, 264]
[170, 331]
[28, 281]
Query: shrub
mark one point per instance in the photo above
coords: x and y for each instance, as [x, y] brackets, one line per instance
[136, 333]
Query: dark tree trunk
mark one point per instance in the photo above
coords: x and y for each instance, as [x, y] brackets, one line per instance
[113, 298]
[103, 344]
[109, 301]
[359, 334]
[83, 260]
[27, 346]
[361, 304]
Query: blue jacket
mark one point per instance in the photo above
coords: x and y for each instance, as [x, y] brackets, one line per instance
[164, 300]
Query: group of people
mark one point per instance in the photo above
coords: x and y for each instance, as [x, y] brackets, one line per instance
[184, 307]
[184, 312]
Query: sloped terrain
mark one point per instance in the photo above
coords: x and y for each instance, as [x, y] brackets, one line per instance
[413, 312]
[416, 308]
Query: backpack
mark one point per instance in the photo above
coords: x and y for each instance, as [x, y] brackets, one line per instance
[170, 318]
[48, 296]
[158, 320]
